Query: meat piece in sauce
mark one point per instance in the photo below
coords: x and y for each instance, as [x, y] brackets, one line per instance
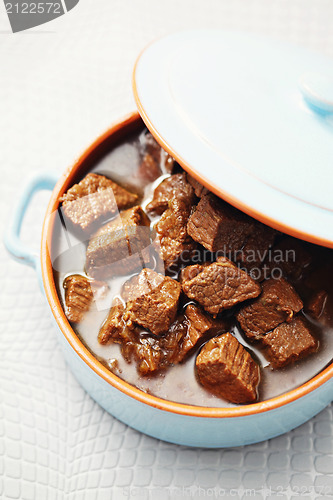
[145, 350]
[289, 342]
[316, 304]
[154, 354]
[200, 325]
[290, 256]
[171, 187]
[149, 168]
[93, 199]
[320, 275]
[114, 324]
[79, 294]
[155, 161]
[277, 303]
[117, 246]
[227, 370]
[151, 146]
[218, 286]
[151, 301]
[220, 227]
[141, 347]
[170, 165]
[190, 272]
[199, 189]
[255, 250]
[173, 241]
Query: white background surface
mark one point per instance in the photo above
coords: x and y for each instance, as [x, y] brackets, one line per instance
[61, 85]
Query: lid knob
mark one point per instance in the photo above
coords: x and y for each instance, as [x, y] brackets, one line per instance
[317, 90]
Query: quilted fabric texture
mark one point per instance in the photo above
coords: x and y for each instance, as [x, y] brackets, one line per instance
[61, 85]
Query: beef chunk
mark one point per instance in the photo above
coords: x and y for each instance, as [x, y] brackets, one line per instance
[79, 294]
[255, 250]
[190, 272]
[152, 301]
[174, 243]
[157, 353]
[135, 345]
[93, 199]
[316, 304]
[175, 197]
[289, 256]
[289, 342]
[199, 189]
[152, 353]
[220, 227]
[115, 248]
[219, 286]
[216, 225]
[199, 326]
[114, 324]
[164, 162]
[151, 146]
[145, 350]
[172, 341]
[277, 303]
[170, 165]
[149, 169]
[171, 187]
[150, 358]
[227, 370]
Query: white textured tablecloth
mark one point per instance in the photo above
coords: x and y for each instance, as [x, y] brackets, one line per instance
[61, 85]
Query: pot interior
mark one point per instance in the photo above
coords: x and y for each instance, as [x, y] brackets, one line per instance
[118, 155]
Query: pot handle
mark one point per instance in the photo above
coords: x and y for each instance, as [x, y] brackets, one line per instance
[15, 247]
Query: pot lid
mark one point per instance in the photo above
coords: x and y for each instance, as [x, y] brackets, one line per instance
[249, 117]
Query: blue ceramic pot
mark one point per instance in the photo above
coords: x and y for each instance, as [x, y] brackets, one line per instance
[174, 422]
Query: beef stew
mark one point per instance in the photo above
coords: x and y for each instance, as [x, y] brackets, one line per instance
[166, 284]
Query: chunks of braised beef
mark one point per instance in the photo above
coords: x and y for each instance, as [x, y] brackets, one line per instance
[199, 189]
[255, 250]
[155, 161]
[200, 326]
[145, 350]
[114, 324]
[173, 241]
[94, 198]
[170, 165]
[116, 248]
[316, 304]
[277, 303]
[149, 169]
[153, 353]
[171, 187]
[218, 286]
[79, 294]
[226, 369]
[289, 342]
[151, 301]
[290, 257]
[218, 226]
[147, 321]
